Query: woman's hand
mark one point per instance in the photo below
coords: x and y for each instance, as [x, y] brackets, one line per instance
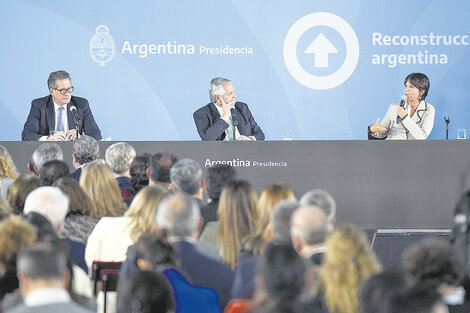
[377, 127]
[401, 112]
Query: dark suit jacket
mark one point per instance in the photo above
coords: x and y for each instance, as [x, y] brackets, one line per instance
[204, 271]
[41, 118]
[211, 127]
[209, 213]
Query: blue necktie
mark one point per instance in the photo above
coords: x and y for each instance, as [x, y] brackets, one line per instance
[60, 123]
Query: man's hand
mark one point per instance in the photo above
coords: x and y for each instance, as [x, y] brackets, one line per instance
[72, 135]
[58, 136]
[226, 108]
[377, 127]
[241, 137]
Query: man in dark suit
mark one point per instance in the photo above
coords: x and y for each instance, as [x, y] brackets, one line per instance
[52, 113]
[179, 215]
[216, 120]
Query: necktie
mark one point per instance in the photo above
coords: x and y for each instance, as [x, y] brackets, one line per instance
[60, 123]
[230, 129]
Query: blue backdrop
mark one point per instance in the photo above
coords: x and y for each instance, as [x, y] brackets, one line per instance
[164, 54]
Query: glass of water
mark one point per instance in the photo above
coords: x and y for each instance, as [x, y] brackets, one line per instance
[461, 133]
[288, 134]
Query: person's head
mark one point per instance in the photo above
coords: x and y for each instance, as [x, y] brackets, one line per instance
[283, 272]
[80, 203]
[323, 200]
[85, 149]
[280, 220]
[7, 166]
[417, 299]
[179, 215]
[416, 86]
[50, 202]
[379, 288]
[19, 189]
[5, 209]
[52, 171]
[145, 292]
[98, 182]
[60, 87]
[309, 228]
[46, 152]
[159, 168]
[186, 176]
[138, 172]
[42, 265]
[15, 235]
[154, 253]
[347, 264]
[433, 262]
[221, 88]
[237, 216]
[142, 209]
[216, 178]
[268, 198]
[119, 157]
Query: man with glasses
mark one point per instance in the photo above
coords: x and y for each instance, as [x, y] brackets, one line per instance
[51, 117]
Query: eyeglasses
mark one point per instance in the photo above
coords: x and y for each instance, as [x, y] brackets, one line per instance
[63, 92]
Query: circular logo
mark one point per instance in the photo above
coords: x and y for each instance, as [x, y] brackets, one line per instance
[102, 47]
[290, 51]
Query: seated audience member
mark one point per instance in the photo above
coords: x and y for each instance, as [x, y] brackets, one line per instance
[282, 280]
[145, 292]
[216, 178]
[52, 171]
[348, 263]
[85, 150]
[5, 209]
[78, 223]
[159, 167]
[237, 218]
[179, 215]
[15, 235]
[98, 182]
[309, 228]
[279, 228]
[322, 200]
[43, 276]
[19, 190]
[8, 171]
[119, 157]
[435, 264]
[154, 253]
[113, 235]
[377, 291]
[186, 177]
[270, 196]
[417, 300]
[138, 172]
[45, 152]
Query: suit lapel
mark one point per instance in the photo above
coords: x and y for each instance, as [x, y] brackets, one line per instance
[215, 116]
[50, 114]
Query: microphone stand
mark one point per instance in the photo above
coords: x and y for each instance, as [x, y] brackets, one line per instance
[447, 120]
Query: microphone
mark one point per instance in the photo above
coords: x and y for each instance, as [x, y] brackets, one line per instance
[76, 119]
[402, 104]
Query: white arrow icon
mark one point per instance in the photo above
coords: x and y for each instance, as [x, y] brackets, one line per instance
[321, 47]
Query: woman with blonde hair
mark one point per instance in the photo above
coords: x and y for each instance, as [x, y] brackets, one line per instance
[98, 182]
[8, 171]
[347, 265]
[237, 216]
[112, 236]
[19, 190]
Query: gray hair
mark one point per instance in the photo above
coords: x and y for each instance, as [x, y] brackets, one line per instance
[321, 199]
[280, 219]
[47, 152]
[55, 76]
[86, 149]
[42, 261]
[119, 157]
[186, 175]
[178, 214]
[308, 228]
[50, 202]
[215, 87]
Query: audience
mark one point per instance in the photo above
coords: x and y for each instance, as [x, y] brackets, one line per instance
[138, 172]
[8, 171]
[322, 200]
[45, 152]
[85, 150]
[159, 167]
[417, 300]
[186, 177]
[119, 157]
[52, 171]
[19, 190]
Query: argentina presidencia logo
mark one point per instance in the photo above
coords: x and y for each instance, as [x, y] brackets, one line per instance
[102, 48]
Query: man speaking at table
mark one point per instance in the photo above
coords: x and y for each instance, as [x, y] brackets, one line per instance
[225, 118]
[59, 115]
